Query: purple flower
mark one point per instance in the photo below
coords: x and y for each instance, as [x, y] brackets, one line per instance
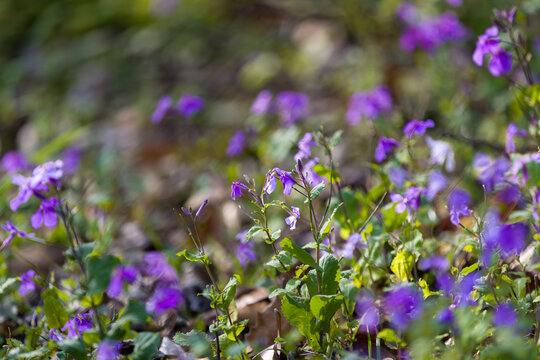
[458, 205]
[454, 2]
[79, 324]
[50, 172]
[156, 265]
[417, 127]
[506, 15]
[488, 44]
[121, 274]
[189, 105]
[504, 316]
[407, 13]
[304, 145]
[519, 164]
[369, 104]
[236, 143]
[445, 283]
[201, 208]
[410, 201]
[398, 175]
[438, 264]
[27, 282]
[441, 153]
[236, 189]
[403, 304]
[71, 158]
[13, 231]
[293, 218]
[465, 287]
[509, 195]
[163, 299]
[352, 242]
[368, 312]
[163, 108]
[46, 214]
[55, 335]
[384, 146]
[512, 131]
[245, 250]
[108, 350]
[512, 238]
[311, 176]
[14, 161]
[432, 32]
[292, 106]
[287, 182]
[437, 182]
[262, 102]
[26, 190]
[285, 177]
[490, 172]
[445, 316]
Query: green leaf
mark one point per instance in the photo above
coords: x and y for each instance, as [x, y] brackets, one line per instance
[7, 286]
[75, 347]
[197, 341]
[286, 259]
[325, 172]
[389, 335]
[316, 191]
[298, 313]
[469, 269]
[521, 286]
[325, 229]
[84, 250]
[134, 312]
[99, 272]
[349, 292]
[229, 292]
[253, 231]
[146, 345]
[299, 253]
[55, 311]
[402, 265]
[323, 307]
[335, 139]
[194, 257]
[330, 274]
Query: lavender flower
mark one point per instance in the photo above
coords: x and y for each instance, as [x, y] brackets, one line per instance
[287, 181]
[271, 183]
[27, 282]
[245, 249]
[404, 305]
[79, 324]
[50, 172]
[368, 104]
[155, 264]
[506, 15]
[407, 12]
[26, 190]
[236, 189]
[163, 299]
[464, 289]
[55, 335]
[311, 176]
[262, 102]
[441, 153]
[511, 132]
[432, 32]
[14, 161]
[458, 205]
[398, 175]
[292, 106]
[189, 105]
[445, 316]
[410, 201]
[417, 127]
[367, 311]
[490, 172]
[304, 145]
[163, 108]
[108, 350]
[71, 157]
[293, 218]
[121, 274]
[444, 282]
[509, 195]
[504, 316]
[512, 238]
[46, 214]
[236, 143]
[352, 242]
[437, 182]
[384, 147]
[438, 264]
[13, 231]
[488, 44]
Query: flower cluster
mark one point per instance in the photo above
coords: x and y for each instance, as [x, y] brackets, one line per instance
[489, 44]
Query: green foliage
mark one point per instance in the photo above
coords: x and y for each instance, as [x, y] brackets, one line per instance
[146, 345]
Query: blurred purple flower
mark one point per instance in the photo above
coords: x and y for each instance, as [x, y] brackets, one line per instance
[354, 240]
[398, 175]
[123, 273]
[189, 105]
[454, 2]
[441, 153]
[410, 201]
[445, 283]
[155, 264]
[512, 238]
[27, 282]
[506, 15]
[55, 335]
[201, 208]
[490, 172]
[437, 183]
[368, 312]
[404, 305]
[519, 163]
[311, 176]
[304, 145]
[292, 106]
[465, 287]
[445, 316]
[504, 316]
[512, 131]
[14, 161]
[108, 350]
[262, 102]
[245, 250]
[79, 324]
[46, 214]
[163, 108]
[71, 157]
[293, 217]
[407, 12]
[236, 143]
[163, 299]
[13, 231]
[236, 189]
[488, 44]
[458, 205]
[432, 32]
[417, 127]
[384, 146]
[509, 195]
[368, 104]
[50, 172]
[435, 263]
